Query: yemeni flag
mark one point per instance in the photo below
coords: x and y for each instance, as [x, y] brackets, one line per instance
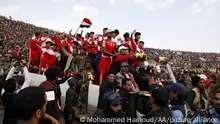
[86, 23]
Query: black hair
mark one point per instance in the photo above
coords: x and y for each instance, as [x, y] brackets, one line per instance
[137, 33]
[76, 43]
[29, 100]
[54, 45]
[141, 42]
[126, 34]
[92, 32]
[160, 96]
[116, 31]
[195, 80]
[52, 72]
[46, 32]
[20, 79]
[10, 85]
[111, 72]
[79, 35]
[124, 81]
[37, 34]
[105, 29]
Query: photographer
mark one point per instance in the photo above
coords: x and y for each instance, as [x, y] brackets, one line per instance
[18, 70]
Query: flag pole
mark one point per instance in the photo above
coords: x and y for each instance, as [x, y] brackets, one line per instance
[78, 28]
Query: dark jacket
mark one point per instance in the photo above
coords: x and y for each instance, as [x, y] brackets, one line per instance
[105, 87]
[100, 114]
[52, 106]
[70, 100]
[160, 116]
[128, 103]
[70, 103]
[9, 102]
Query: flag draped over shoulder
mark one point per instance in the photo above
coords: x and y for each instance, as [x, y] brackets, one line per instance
[86, 23]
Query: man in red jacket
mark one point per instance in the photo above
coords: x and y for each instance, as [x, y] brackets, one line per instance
[44, 56]
[34, 55]
[53, 56]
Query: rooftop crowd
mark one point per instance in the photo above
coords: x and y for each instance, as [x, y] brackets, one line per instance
[116, 64]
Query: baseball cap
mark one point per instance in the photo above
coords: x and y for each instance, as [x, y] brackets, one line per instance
[178, 88]
[109, 31]
[72, 81]
[112, 98]
[122, 48]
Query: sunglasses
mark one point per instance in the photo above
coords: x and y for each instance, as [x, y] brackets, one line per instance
[125, 66]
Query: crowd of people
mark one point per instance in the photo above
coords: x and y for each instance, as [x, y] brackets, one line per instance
[120, 66]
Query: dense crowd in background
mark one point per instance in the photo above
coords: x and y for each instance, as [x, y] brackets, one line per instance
[196, 73]
[17, 36]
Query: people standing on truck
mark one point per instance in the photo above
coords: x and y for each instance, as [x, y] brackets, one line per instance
[123, 56]
[108, 52]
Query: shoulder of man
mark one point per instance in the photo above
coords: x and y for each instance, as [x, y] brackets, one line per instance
[46, 85]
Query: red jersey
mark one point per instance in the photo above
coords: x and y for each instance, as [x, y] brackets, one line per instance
[53, 58]
[109, 46]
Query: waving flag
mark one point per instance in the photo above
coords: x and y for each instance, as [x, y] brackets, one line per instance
[86, 23]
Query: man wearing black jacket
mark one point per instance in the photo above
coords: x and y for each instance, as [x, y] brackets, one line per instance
[128, 100]
[70, 103]
[160, 112]
[107, 85]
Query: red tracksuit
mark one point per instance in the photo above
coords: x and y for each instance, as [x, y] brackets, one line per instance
[106, 60]
[44, 58]
[34, 55]
[53, 58]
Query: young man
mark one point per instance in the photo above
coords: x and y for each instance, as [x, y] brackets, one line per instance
[53, 56]
[159, 104]
[8, 99]
[177, 93]
[197, 97]
[31, 103]
[107, 85]
[128, 102]
[112, 108]
[52, 84]
[108, 51]
[71, 100]
[34, 56]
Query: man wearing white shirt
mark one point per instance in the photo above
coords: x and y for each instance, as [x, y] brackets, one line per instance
[27, 78]
[116, 38]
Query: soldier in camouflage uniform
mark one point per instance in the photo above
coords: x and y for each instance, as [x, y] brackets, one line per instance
[75, 60]
[86, 78]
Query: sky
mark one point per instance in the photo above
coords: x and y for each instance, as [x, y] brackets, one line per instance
[191, 25]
